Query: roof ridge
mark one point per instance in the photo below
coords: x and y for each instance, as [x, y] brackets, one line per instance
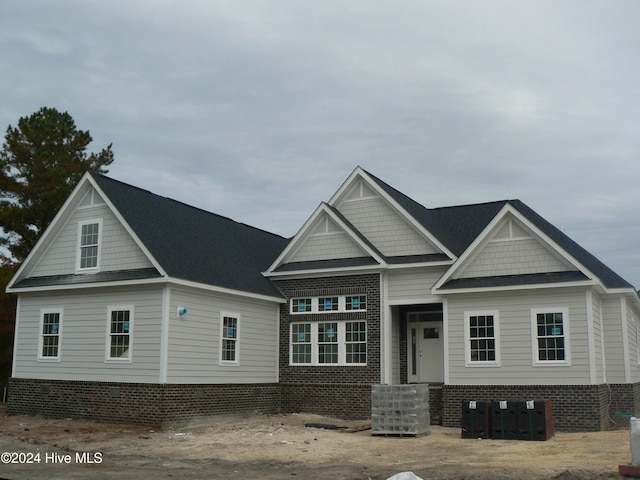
[183, 204]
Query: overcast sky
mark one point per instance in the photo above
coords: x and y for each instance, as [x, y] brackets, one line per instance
[259, 110]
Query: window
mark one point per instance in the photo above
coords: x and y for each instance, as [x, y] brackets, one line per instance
[356, 342]
[328, 304]
[482, 346]
[329, 343]
[358, 302]
[551, 337]
[120, 330]
[89, 242]
[332, 304]
[301, 343]
[50, 334]
[229, 338]
[301, 305]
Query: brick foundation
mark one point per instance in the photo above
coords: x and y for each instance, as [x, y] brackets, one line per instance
[337, 400]
[576, 408]
[138, 403]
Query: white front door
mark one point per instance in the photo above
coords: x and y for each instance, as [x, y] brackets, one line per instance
[425, 361]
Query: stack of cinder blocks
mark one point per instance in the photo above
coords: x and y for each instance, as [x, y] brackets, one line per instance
[400, 410]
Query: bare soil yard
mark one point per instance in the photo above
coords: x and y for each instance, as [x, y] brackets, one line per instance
[281, 447]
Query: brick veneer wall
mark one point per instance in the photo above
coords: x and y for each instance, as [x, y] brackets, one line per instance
[138, 403]
[623, 400]
[576, 408]
[341, 391]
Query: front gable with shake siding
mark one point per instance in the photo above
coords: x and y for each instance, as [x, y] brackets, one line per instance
[135, 307]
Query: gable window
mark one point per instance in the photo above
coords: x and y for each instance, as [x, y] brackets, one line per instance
[328, 343]
[89, 235]
[482, 346]
[328, 304]
[301, 305]
[229, 338]
[550, 336]
[120, 331]
[50, 334]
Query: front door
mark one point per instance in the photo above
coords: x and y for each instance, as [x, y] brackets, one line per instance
[425, 361]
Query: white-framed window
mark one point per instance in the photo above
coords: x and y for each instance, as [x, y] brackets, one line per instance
[301, 305]
[550, 335]
[89, 242]
[329, 304]
[229, 338]
[328, 343]
[482, 338]
[119, 333]
[301, 343]
[50, 333]
[356, 341]
[355, 302]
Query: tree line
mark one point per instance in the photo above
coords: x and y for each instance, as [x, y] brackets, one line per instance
[42, 159]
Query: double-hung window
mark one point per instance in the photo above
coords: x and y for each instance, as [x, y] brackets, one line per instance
[329, 343]
[119, 333]
[482, 342]
[550, 333]
[50, 331]
[229, 338]
[89, 236]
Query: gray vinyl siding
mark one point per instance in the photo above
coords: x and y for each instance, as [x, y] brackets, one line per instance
[83, 340]
[513, 257]
[597, 337]
[614, 352]
[194, 340]
[118, 249]
[634, 340]
[516, 338]
[327, 247]
[410, 285]
[385, 228]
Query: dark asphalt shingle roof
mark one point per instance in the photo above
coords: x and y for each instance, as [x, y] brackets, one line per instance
[458, 226]
[196, 245]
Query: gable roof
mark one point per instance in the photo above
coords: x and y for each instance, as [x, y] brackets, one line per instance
[193, 244]
[458, 227]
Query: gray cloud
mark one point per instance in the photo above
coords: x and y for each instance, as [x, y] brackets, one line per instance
[258, 110]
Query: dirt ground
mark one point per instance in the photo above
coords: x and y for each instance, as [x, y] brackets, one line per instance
[281, 447]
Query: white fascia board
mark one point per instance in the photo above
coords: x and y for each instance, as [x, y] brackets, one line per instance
[293, 245]
[537, 286]
[472, 249]
[399, 266]
[326, 272]
[150, 281]
[297, 241]
[128, 228]
[360, 173]
[44, 238]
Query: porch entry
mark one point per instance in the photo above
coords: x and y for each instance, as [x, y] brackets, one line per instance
[425, 360]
